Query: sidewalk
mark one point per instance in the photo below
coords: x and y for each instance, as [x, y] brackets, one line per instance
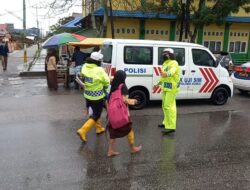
[16, 64]
[37, 68]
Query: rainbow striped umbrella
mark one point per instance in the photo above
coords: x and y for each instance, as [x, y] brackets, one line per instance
[61, 39]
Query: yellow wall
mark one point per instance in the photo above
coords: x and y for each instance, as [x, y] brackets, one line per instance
[136, 4]
[125, 4]
[213, 32]
[239, 32]
[152, 27]
[177, 32]
[125, 28]
[131, 5]
[241, 13]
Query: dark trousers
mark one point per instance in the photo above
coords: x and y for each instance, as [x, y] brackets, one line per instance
[96, 106]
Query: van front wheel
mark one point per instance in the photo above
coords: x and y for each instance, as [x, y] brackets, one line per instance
[141, 97]
[220, 96]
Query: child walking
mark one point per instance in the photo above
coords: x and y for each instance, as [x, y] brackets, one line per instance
[119, 78]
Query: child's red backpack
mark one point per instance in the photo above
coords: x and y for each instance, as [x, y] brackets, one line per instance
[118, 114]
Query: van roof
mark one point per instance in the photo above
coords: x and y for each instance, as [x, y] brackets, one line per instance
[154, 42]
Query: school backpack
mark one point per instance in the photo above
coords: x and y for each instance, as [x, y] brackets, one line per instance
[118, 114]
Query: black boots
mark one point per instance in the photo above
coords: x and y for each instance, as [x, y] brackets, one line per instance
[167, 131]
[161, 126]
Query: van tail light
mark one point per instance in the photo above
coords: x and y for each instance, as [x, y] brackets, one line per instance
[237, 68]
[113, 70]
[247, 69]
[240, 69]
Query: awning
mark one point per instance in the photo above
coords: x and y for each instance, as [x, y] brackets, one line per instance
[238, 19]
[136, 14]
[88, 42]
[73, 23]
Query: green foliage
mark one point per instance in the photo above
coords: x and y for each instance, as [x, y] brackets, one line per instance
[57, 28]
[205, 15]
[223, 8]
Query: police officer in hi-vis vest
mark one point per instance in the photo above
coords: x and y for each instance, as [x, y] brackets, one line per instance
[96, 82]
[169, 82]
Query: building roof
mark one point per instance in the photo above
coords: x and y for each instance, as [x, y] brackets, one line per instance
[73, 23]
[149, 15]
[140, 14]
[238, 19]
[135, 14]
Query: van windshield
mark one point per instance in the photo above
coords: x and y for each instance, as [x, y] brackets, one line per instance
[106, 50]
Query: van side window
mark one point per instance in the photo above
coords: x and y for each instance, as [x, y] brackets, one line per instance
[202, 58]
[138, 55]
[178, 52]
[107, 53]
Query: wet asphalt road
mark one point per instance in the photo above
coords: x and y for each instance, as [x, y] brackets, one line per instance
[40, 149]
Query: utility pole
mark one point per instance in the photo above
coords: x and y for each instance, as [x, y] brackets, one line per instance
[38, 34]
[111, 20]
[24, 34]
[84, 8]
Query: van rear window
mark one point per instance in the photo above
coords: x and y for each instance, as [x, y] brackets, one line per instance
[106, 50]
[138, 55]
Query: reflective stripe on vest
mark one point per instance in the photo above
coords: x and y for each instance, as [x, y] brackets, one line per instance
[94, 93]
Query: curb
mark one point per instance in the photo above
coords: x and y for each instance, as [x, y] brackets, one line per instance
[32, 73]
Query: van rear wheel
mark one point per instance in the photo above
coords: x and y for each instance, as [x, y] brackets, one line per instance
[220, 96]
[141, 97]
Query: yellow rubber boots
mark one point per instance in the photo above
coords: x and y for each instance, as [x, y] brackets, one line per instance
[82, 132]
[131, 137]
[99, 128]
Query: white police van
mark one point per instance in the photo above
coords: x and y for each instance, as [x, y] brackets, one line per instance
[201, 76]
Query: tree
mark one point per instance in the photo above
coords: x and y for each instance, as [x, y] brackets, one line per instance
[57, 28]
[59, 6]
[205, 15]
[198, 16]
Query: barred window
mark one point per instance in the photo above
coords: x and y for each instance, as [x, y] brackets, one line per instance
[237, 47]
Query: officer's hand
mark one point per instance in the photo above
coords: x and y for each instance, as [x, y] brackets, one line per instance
[164, 74]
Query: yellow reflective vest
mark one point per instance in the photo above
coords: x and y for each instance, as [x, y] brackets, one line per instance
[96, 81]
[172, 81]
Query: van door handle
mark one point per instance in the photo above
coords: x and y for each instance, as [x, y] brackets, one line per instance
[193, 71]
[183, 72]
